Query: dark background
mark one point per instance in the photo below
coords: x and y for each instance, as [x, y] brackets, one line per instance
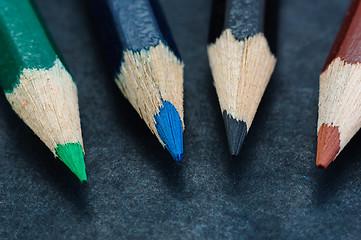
[135, 190]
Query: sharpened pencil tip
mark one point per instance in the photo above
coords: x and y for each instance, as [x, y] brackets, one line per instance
[170, 130]
[178, 157]
[73, 157]
[328, 145]
[236, 132]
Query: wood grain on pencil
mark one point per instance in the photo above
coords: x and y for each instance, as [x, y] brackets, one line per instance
[340, 90]
[241, 63]
[146, 65]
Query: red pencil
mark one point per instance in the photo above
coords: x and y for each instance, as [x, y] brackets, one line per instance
[339, 114]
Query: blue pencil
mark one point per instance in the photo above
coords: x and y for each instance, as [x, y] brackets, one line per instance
[146, 65]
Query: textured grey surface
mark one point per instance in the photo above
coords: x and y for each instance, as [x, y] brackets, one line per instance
[135, 190]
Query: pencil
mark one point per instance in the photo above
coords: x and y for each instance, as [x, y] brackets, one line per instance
[37, 85]
[241, 63]
[145, 63]
[339, 114]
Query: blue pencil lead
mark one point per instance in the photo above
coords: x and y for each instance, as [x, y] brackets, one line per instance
[170, 130]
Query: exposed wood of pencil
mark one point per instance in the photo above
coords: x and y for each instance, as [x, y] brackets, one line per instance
[37, 85]
[339, 116]
[146, 65]
[241, 64]
[149, 79]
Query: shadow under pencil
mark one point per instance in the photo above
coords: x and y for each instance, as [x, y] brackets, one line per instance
[271, 24]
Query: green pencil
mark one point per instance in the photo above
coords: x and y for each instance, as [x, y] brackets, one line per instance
[37, 85]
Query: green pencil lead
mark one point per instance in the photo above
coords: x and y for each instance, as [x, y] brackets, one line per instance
[73, 157]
